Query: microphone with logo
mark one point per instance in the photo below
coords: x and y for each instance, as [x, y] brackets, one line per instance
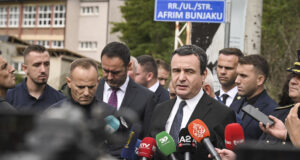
[128, 152]
[186, 144]
[166, 144]
[147, 148]
[200, 133]
[234, 135]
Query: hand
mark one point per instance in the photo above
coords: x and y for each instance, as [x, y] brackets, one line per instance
[277, 130]
[292, 123]
[225, 154]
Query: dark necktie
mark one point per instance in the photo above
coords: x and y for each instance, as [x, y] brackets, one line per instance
[225, 96]
[175, 128]
[113, 99]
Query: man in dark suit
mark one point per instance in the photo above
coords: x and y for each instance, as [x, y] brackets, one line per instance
[226, 72]
[252, 73]
[188, 70]
[118, 90]
[146, 75]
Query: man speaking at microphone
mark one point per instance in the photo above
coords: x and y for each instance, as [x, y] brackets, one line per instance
[188, 71]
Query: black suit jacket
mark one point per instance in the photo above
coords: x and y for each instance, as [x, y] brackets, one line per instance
[137, 98]
[161, 94]
[215, 115]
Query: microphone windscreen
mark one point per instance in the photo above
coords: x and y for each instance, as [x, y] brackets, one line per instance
[186, 142]
[165, 143]
[137, 145]
[112, 124]
[128, 151]
[198, 130]
[234, 135]
[147, 147]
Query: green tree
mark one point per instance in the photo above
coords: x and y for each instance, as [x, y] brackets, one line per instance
[142, 34]
[280, 39]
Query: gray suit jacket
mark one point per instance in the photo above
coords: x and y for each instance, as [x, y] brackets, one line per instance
[215, 115]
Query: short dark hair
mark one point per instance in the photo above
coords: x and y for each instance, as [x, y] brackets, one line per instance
[232, 51]
[258, 62]
[85, 63]
[161, 63]
[117, 49]
[148, 63]
[195, 50]
[33, 48]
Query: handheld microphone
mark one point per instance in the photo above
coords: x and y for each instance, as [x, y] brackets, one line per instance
[166, 144]
[186, 143]
[128, 152]
[200, 133]
[234, 135]
[112, 124]
[147, 148]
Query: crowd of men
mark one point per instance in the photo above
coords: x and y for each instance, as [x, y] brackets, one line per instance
[160, 97]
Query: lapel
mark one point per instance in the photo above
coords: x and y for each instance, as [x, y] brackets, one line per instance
[236, 105]
[167, 111]
[202, 108]
[217, 93]
[158, 91]
[260, 104]
[100, 90]
[129, 93]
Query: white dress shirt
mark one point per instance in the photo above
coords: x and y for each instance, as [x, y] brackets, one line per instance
[187, 110]
[154, 87]
[231, 94]
[120, 93]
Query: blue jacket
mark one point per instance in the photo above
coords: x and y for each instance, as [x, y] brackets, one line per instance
[265, 104]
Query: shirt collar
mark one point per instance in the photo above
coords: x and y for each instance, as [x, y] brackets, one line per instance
[122, 87]
[192, 103]
[231, 93]
[154, 87]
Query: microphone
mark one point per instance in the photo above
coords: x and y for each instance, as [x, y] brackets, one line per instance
[128, 152]
[200, 133]
[234, 135]
[166, 144]
[112, 124]
[136, 149]
[147, 148]
[186, 143]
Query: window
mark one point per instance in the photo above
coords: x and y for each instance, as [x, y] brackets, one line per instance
[13, 16]
[3, 15]
[44, 19]
[57, 44]
[29, 16]
[43, 43]
[88, 45]
[18, 67]
[59, 15]
[89, 10]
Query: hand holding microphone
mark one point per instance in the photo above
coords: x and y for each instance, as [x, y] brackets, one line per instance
[200, 133]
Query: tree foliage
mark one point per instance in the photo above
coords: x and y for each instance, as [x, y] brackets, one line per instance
[280, 39]
[141, 33]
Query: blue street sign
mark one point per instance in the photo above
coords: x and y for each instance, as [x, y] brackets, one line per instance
[209, 11]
